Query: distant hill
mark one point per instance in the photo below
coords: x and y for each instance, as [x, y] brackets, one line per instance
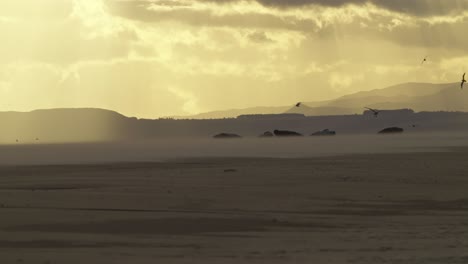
[321, 110]
[98, 125]
[400, 90]
[231, 113]
[60, 125]
[418, 96]
[344, 114]
[451, 98]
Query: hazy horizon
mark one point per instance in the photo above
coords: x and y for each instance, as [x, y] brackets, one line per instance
[250, 110]
[173, 149]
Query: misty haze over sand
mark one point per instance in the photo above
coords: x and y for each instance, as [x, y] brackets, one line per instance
[170, 149]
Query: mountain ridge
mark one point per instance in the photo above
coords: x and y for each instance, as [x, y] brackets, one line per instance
[347, 104]
[99, 125]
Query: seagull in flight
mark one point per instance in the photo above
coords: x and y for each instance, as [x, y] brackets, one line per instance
[463, 80]
[375, 111]
[298, 104]
[424, 60]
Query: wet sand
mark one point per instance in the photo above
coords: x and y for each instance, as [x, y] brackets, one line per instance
[362, 208]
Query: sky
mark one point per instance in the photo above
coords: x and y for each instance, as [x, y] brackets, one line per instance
[156, 58]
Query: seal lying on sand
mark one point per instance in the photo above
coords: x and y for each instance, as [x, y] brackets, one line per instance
[285, 133]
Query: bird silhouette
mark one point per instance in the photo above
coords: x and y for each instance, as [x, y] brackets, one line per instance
[375, 111]
[298, 104]
[463, 81]
[424, 60]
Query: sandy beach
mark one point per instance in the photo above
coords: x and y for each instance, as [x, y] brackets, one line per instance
[408, 207]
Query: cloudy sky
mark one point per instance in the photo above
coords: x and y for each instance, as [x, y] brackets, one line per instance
[152, 58]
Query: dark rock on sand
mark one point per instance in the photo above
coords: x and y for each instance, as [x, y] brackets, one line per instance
[226, 135]
[392, 130]
[325, 132]
[285, 133]
[267, 134]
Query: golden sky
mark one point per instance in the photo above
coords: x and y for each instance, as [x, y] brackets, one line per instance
[152, 58]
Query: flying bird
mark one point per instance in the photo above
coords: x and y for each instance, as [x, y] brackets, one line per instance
[424, 60]
[298, 104]
[375, 111]
[463, 80]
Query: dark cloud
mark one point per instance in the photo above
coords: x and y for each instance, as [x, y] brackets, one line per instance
[140, 11]
[412, 7]
[259, 37]
[426, 35]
